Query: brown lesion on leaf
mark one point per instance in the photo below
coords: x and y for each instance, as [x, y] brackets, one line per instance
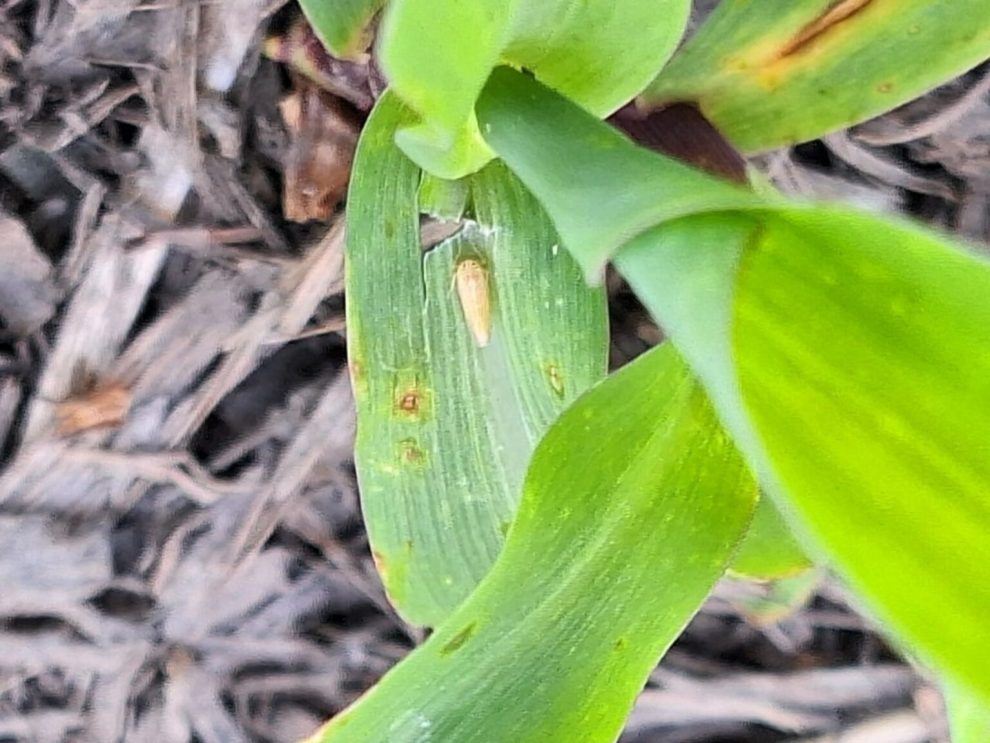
[410, 396]
[356, 369]
[458, 640]
[409, 403]
[812, 32]
[411, 453]
[381, 564]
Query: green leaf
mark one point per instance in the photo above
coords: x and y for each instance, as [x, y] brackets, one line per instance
[769, 74]
[445, 427]
[850, 358]
[863, 358]
[618, 540]
[777, 599]
[599, 55]
[852, 366]
[445, 200]
[618, 191]
[342, 24]
[969, 718]
[438, 56]
[769, 551]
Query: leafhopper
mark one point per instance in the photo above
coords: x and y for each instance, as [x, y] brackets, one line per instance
[471, 279]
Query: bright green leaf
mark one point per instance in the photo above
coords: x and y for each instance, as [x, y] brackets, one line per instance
[770, 73]
[445, 427]
[341, 24]
[854, 370]
[863, 357]
[618, 540]
[848, 356]
[969, 718]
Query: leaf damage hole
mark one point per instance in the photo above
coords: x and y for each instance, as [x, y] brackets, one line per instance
[839, 11]
[458, 640]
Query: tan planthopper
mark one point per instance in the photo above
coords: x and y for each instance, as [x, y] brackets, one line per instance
[472, 289]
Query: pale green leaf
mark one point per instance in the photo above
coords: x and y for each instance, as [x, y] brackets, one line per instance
[438, 56]
[445, 427]
[576, 162]
[442, 199]
[770, 73]
[769, 551]
[777, 599]
[341, 24]
[619, 538]
[969, 718]
[598, 54]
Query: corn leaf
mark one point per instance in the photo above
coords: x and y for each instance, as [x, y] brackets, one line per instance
[342, 24]
[969, 718]
[768, 73]
[446, 427]
[848, 355]
[632, 507]
[438, 55]
[769, 550]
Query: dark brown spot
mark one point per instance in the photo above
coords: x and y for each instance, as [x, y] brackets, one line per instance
[885, 87]
[458, 640]
[681, 131]
[409, 402]
[620, 644]
[836, 13]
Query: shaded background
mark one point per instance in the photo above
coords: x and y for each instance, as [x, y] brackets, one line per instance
[181, 553]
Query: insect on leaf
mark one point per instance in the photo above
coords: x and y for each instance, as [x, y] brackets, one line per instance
[458, 366]
[476, 301]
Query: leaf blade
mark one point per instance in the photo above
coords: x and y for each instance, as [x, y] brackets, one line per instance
[630, 541]
[850, 358]
[439, 55]
[445, 427]
[769, 76]
[341, 24]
